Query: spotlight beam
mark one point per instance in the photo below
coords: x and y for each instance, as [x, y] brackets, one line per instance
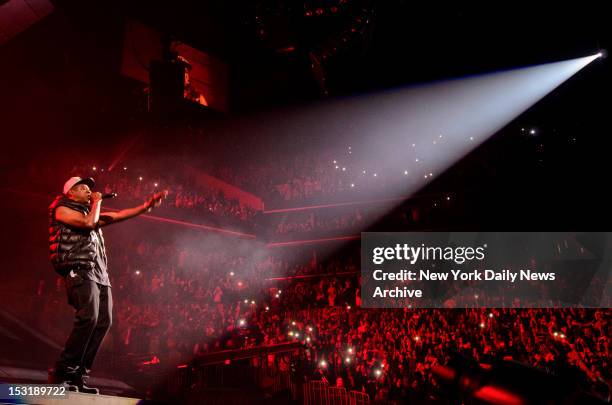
[423, 129]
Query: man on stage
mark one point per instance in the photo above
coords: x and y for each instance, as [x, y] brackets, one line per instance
[78, 254]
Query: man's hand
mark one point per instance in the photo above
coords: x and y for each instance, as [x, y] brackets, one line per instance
[107, 218]
[156, 199]
[95, 197]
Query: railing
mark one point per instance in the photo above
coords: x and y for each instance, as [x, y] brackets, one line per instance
[236, 372]
[320, 393]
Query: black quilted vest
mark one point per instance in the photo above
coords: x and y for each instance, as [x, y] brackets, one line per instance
[70, 247]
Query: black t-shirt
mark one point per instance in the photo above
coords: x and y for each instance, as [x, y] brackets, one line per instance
[99, 273]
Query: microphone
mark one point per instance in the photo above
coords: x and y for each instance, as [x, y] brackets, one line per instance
[109, 195]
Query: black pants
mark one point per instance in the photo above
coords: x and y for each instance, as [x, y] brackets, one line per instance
[94, 306]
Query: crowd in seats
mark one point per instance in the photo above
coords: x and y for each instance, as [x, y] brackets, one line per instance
[177, 299]
[190, 202]
[174, 303]
[325, 177]
[390, 353]
[308, 179]
[348, 222]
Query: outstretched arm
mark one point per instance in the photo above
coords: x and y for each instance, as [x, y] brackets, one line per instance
[107, 218]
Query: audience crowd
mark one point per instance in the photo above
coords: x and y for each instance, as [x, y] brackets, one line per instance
[175, 303]
[177, 299]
